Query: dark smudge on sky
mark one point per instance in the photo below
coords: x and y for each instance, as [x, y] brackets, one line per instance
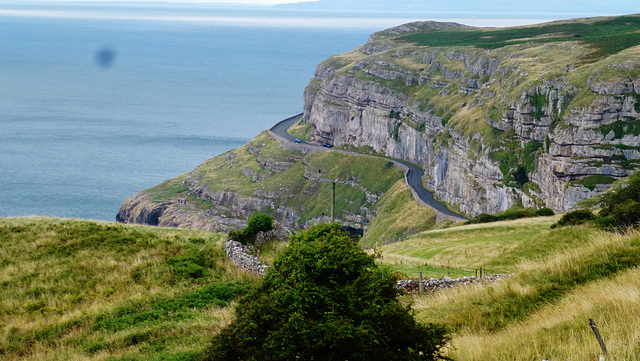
[105, 57]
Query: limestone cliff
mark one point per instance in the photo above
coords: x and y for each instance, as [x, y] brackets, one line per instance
[542, 115]
[263, 176]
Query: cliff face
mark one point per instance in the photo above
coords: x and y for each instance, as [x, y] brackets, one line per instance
[262, 176]
[536, 122]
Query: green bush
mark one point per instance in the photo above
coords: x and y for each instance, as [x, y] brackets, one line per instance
[575, 217]
[239, 235]
[485, 218]
[258, 222]
[621, 207]
[515, 212]
[545, 212]
[325, 299]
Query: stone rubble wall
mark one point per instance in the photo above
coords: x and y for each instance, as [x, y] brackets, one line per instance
[242, 255]
[436, 284]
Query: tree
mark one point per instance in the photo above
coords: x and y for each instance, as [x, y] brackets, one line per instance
[325, 299]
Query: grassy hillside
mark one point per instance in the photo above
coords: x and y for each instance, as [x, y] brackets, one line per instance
[561, 278]
[497, 247]
[83, 290]
[286, 178]
[398, 216]
[542, 312]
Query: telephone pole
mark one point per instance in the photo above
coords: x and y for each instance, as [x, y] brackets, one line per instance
[333, 201]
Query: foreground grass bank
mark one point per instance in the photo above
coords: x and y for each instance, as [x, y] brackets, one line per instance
[83, 290]
[561, 279]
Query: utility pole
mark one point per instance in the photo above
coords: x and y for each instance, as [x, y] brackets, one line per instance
[333, 201]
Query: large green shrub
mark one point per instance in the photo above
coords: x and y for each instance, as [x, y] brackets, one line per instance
[621, 206]
[258, 222]
[573, 218]
[325, 299]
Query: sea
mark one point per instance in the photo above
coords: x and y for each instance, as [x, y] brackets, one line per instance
[98, 102]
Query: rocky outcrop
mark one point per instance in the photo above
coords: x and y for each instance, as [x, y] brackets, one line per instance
[263, 176]
[142, 209]
[492, 128]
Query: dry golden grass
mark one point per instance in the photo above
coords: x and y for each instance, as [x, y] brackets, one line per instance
[556, 329]
[460, 250]
[561, 331]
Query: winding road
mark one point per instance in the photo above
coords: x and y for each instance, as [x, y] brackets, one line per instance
[413, 173]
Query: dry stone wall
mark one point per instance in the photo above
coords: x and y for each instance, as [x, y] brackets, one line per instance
[437, 284]
[243, 255]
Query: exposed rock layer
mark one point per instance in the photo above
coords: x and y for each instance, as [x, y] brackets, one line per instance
[469, 116]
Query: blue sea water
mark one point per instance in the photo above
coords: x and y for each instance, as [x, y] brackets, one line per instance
[99, 103]
[78, 136]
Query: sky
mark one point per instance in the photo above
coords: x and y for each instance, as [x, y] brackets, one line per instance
[333, 16]
[254, 2]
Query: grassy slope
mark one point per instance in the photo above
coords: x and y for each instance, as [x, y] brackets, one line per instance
[398, 215]
[301, 130]
[542, 312]
[293, 186]
[561, 278]
[497, 247]
[85, 290]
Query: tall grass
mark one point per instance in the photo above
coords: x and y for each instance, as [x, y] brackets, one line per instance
[497, 247]
[73, 289]
[398, 216]
[542, 312]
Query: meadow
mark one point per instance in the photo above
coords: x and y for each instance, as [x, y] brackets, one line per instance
[84, 290]
[560, 278]
[543, 310]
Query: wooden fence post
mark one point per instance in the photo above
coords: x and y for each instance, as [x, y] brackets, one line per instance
[593, 326]
[420, 283]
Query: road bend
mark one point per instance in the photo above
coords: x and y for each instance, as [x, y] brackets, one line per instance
[413, 173]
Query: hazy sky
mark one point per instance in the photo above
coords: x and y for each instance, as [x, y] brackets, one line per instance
[261, 2]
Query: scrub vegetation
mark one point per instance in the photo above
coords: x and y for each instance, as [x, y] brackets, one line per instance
[325, 299]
